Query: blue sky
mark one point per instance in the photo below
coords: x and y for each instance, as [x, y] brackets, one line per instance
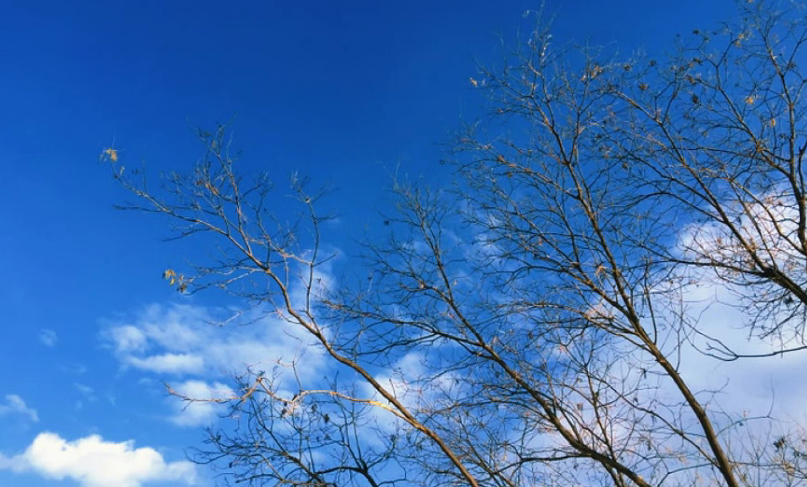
[344, 92]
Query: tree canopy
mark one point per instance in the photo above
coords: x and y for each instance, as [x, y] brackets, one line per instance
[541, 319]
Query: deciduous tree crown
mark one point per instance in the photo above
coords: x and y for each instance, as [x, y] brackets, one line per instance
[536, 322]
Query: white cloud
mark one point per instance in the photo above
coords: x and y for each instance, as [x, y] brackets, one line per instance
[48, 337]
[768, 224]
[127, 338]
[755, 385]
[188, 342]
[204, 409]
[93, 462]
[176, 363]
[185, 340]
[758, 386]
[76, 369]
[15, 404]
[413, 382]
[712, 310]
[86, 391]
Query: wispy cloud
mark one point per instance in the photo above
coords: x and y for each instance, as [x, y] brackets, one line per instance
[48, 337]
[14, 404]
[93, 462]
[172, 363]
[86, 391]
[203, 410]
[75, 368]
[183, 340]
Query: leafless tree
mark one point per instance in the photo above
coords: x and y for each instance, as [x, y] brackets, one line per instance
[529, 324]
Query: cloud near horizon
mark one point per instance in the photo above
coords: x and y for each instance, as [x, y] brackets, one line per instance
[93, 462]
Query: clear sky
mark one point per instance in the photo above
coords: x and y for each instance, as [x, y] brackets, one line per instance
[344, 92]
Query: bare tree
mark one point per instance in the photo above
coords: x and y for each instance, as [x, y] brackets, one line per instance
[529, 325]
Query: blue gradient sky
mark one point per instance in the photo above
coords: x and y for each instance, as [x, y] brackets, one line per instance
[342, 91]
